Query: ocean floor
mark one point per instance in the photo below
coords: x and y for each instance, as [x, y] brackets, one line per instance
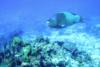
[69, 47]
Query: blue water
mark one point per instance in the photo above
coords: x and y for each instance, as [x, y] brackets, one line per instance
[31, 15]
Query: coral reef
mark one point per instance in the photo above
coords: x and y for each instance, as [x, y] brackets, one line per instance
[40, 51]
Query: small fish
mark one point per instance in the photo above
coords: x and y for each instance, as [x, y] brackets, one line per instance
[63, 19]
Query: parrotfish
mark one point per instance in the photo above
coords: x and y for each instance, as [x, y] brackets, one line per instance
[63, 19]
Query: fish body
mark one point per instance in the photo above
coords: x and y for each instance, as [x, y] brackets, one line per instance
[63, 19]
